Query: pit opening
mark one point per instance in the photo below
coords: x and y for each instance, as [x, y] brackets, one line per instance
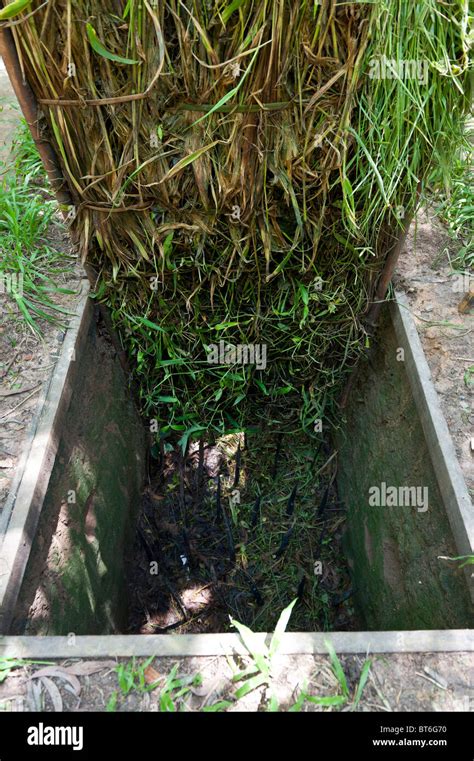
[131, 539]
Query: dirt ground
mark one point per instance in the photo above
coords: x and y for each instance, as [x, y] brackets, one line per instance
[434, 293]
[27, 363]
[410, 683]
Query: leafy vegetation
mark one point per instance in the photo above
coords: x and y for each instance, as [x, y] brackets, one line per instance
[456, 209]
[175, 688]
[30, 266]
[131, 676]
[140, 676]
[260, 671]
[336, 700]
[26, 163]
[7, 665]
[247, 158]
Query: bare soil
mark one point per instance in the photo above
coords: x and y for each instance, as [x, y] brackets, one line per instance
[415, 682]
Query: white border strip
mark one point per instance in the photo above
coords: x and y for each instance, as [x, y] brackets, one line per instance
[186, 645]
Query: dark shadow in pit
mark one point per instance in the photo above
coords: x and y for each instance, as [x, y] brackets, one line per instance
[239, 530]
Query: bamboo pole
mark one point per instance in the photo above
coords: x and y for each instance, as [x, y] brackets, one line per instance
[29, 107]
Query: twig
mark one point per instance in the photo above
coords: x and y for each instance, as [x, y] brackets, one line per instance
[7, 414]
[326, 463]
[4, 394]
[433, 681]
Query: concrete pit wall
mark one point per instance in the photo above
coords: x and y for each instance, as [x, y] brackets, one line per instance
[394, 552]
[74, 579]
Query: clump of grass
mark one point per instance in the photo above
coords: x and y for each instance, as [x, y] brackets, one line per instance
[131, 676]
[29, 266]
[26, 161]
[345, 697]
[225, 158]
[456, 209]
[173, 689]
[260, 672]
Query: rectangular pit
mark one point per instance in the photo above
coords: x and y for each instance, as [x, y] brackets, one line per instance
[399, 612]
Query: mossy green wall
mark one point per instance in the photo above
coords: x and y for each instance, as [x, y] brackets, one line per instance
[74, 581]
[399, 580]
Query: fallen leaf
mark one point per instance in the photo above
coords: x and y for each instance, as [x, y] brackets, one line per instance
[17, 392]
[54, 694]
[33, 696]
[151, 675]
[85, 668]
[156, 497]
[59, 673]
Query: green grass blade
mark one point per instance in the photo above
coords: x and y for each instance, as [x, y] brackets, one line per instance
[101, 50]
